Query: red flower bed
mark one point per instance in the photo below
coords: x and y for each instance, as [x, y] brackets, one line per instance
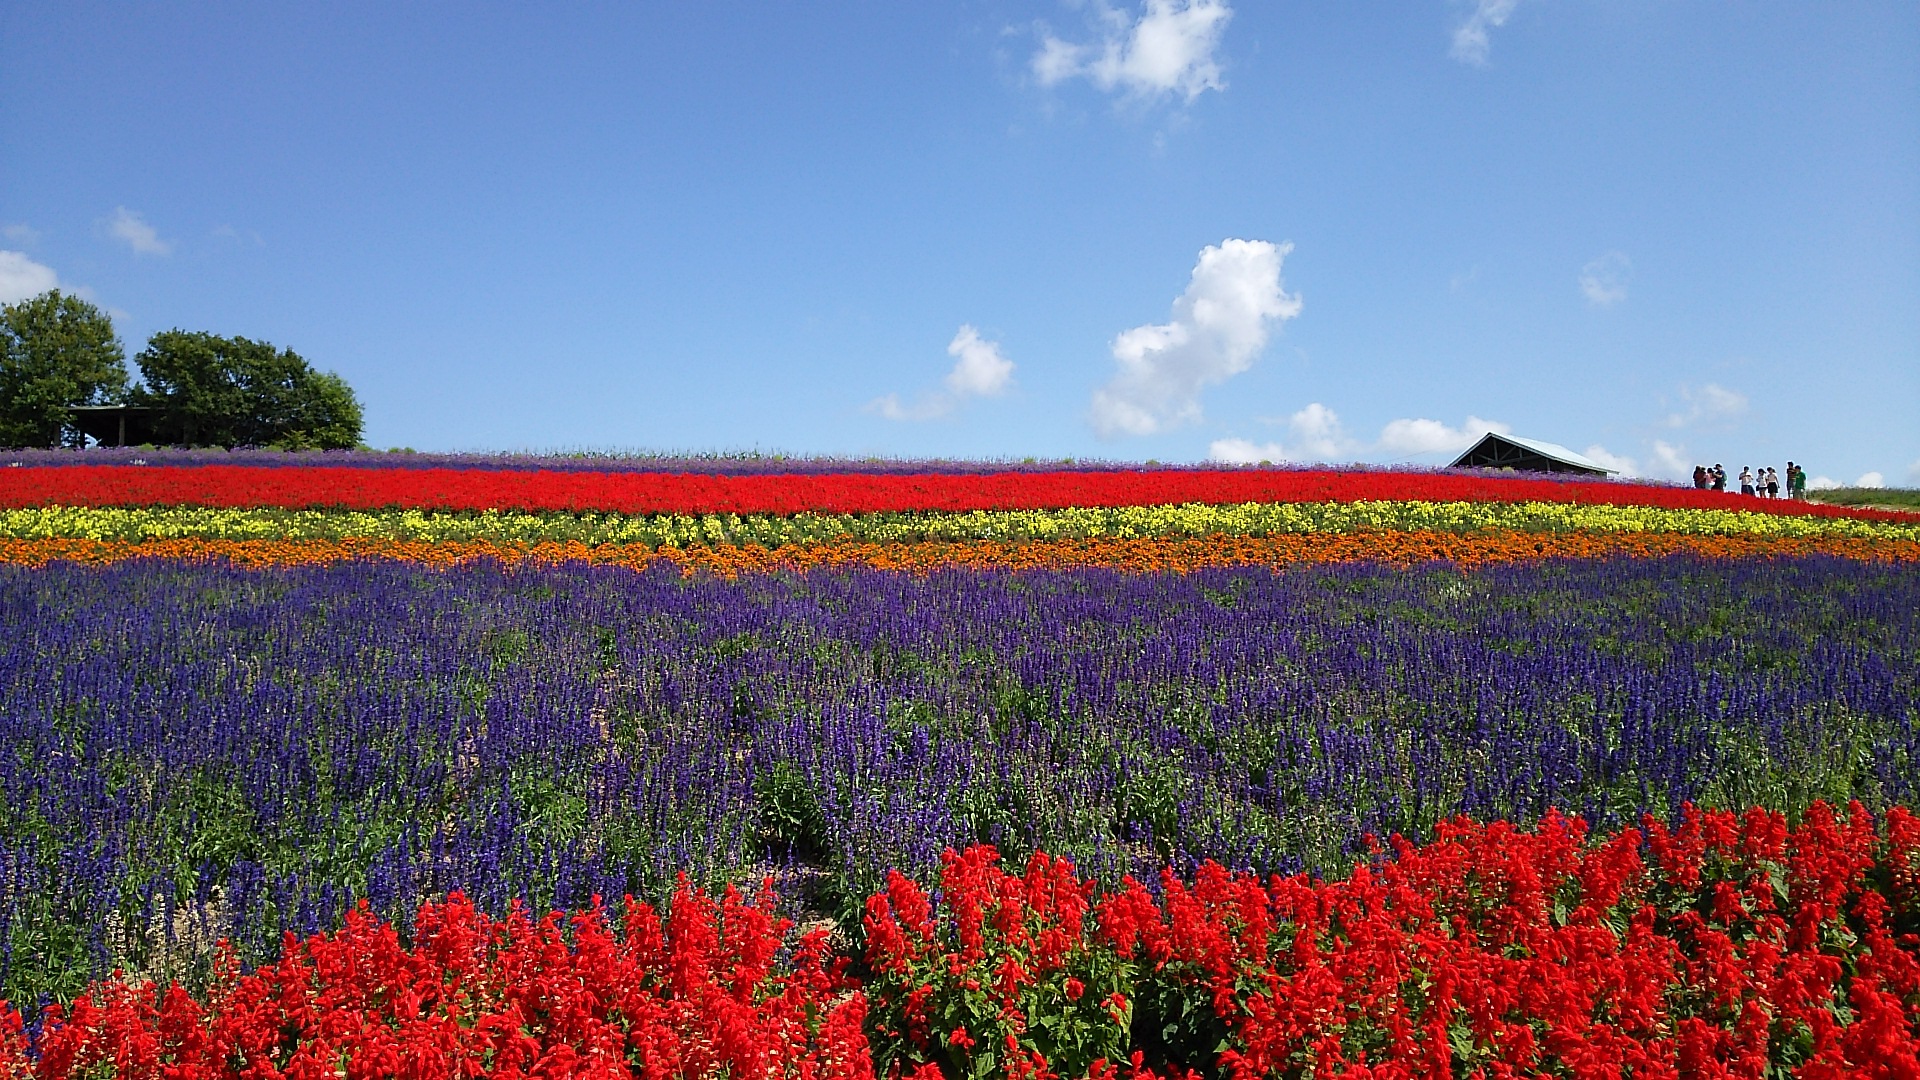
[1731, 946]
[1741, 949]
[704, 992]
[638, 493]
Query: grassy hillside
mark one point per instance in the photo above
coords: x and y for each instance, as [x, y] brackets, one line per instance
[1891, 498]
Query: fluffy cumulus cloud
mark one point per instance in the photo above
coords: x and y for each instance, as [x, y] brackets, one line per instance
[1168, 49]
[1705, 405]
[1471, 42]
[1433, 437]
[1604, 280]
[1232, 302]
[21, 277]
[1245, 452]
[131, 229]
[1313, 434]
[1670, 461]
[979, 370]
[1619, 463]
[1866, 480]
[1316, 433]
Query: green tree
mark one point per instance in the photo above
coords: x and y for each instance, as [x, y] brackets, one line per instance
[56, 351]
[217, 391]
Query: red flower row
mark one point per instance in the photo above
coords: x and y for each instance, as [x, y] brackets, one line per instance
[1741, 948]
[705, 992]
[649, 493]
[1731, 946]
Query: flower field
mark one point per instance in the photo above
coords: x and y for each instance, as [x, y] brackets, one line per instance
[818, 492]
[259, 514]
[1491, 952]
[241, 699]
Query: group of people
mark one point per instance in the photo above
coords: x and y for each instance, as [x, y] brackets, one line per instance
[1765, 482]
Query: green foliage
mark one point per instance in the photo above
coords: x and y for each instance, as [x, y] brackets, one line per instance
[215, 391]
[56, 352]
[790, 817]
[1174, 1024]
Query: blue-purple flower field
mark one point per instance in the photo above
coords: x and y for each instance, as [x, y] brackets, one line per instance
[194, 751]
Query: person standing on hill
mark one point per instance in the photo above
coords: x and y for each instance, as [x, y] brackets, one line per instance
[1746, 480]
[1796, 481]
[1773, 483]
[1700, 477]
[1719, 477]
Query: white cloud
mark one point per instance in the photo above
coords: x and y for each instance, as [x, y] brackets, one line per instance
[1619, 463]
[979, 370]
[132, 229]
[1219, 325]
[1316, 432]
[1866, 480]
[890, 406]
[1313, 434]
[1470, 41]
[1671, 461]
[1169, 49]
[228, 232]
[1432, 436]
[21, 233]
[21, 277]
[1707, 404]
[1245, 452]
[1604, 280]
[1057, 61]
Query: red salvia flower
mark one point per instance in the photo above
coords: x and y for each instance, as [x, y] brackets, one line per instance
[1726, 946]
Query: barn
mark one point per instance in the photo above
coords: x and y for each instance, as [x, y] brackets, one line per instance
[1496, 451]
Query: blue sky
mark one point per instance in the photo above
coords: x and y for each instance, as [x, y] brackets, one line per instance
[1664, 232]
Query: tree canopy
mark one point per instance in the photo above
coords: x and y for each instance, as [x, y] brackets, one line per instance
[218, 391]
[56, 351]
[59, 352]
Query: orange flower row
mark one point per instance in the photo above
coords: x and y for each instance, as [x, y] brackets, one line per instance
[1130, 554]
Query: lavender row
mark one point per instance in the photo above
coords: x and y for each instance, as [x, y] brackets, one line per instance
[191, 751]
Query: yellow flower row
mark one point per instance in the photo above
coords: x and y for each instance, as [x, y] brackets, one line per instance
[771, 530]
